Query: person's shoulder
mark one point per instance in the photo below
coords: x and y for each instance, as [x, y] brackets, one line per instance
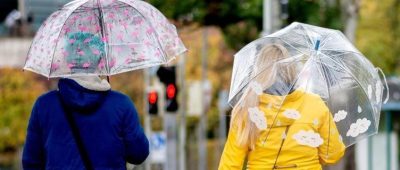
[118, 96]
[313, 96]
[48, 97]
[125, 104]
[315, 100]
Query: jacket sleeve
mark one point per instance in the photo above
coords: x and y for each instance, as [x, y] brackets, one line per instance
[33, 154]
[233, 156]
[332, 150]
[136, 143]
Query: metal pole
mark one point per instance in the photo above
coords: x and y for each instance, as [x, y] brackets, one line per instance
[182, 127]
[388, 123]
[170, 127]
[203, 118]
[370, 153]
[222, 129]
[267, 17]
[147, 117]
[21, 8]
[222, 104]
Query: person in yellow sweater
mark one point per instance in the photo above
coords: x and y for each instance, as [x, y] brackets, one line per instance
[275, 127]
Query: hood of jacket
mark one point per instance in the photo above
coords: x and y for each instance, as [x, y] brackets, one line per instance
[282, 109]
[78, 98]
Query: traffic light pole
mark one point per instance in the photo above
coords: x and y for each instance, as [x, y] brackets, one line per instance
[170, 127]
[182, 110]
[147, 116]
[202, 133]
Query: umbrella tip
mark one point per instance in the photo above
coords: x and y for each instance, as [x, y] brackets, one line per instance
[317, 44]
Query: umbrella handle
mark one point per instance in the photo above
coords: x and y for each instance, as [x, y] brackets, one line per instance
[385, 83]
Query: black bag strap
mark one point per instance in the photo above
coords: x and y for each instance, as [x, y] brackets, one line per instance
[77, 137]
[280, 148]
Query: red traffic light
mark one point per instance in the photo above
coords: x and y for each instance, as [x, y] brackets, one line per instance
[171, 91]
[153, 97]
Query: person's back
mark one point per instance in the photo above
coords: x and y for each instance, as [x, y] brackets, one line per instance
[299, 138]
[277, 122]
[108, 126]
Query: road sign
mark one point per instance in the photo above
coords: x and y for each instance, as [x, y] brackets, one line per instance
[158, 147]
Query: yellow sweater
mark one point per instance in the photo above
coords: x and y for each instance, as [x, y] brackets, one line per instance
[312, 138]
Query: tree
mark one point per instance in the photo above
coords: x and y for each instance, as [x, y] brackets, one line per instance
[18, 91]
[240, 20]
[378, 33]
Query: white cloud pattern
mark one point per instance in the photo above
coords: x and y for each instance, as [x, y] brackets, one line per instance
[308, 138]
[359, 109]
[292, 114]
[378, 91]
[256, 87]
[369, 91]
[340, 115]
[359, 127]
[258, 118]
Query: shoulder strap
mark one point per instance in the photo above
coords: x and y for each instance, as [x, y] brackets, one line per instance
[77, 137]
[280, 148]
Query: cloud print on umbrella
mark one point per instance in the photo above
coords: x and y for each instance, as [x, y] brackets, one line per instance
[358, 127]
[340, 115]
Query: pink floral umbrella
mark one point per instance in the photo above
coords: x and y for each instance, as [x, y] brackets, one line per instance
[103, 37]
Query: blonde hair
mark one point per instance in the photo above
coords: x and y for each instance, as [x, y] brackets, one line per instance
[264, 73]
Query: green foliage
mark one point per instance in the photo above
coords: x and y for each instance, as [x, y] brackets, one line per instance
[316, 12]
[378, 33]
[181, 10]
[239, 20]
[18, 91]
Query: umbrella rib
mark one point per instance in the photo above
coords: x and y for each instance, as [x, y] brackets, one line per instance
[341, 50]
[59, 34]
[155, 32]
[306, 36]
[324, 73]
[240, 88]
[283, 100]
[103, 33]
[353, 77]
[55, 47]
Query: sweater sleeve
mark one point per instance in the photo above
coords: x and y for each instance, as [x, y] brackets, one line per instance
[233, 156]
[33, 154]
[136, 143]
[332, 150]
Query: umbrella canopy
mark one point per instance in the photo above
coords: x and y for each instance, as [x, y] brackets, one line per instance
[316, 65]
[103, 37]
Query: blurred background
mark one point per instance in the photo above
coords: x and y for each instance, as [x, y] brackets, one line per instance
[184, 108]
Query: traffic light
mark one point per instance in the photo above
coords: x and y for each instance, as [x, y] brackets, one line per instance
[167, 76]
[171, 103]
[284, 9]
[152, 97]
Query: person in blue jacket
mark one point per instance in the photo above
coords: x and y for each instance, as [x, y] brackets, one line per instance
[106, 122]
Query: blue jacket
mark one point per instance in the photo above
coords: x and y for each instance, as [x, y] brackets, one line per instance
[107, 121]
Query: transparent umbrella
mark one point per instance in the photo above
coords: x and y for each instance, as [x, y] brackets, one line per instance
[103, 37]
[293, 76]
